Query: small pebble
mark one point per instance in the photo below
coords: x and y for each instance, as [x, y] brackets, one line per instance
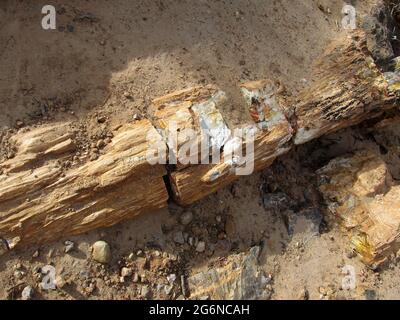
[60, 282]
[18, 274]
[126, 272]
[27, 293]
[230, 227]
[186, 218]
[178, 237]
[101, 252]
[101, 119]
[201, 246]
[171, 278]
[100, 144]
[351, 254]
[69, 246]
[20, 123]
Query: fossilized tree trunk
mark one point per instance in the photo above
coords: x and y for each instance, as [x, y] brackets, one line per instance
[271, 131]
[347, 89]
[41, 200]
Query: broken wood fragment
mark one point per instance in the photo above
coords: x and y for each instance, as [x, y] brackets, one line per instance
[361, 193]
[347, 89]
[191, 118]
[48, 201]
[255, 148]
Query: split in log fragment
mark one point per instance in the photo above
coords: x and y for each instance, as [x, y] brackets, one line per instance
[247, 149]
[191, 124]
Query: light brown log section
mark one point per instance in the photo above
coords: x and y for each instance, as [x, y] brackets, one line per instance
[361, 193]
[347, 88]
[43, 202]
[191, 111]
[272, 135]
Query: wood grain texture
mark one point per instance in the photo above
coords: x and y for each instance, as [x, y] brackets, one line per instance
[347, 88]
[258, 147]
[191, 117]
[48, 202]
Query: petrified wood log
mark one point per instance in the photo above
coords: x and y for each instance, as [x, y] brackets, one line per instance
[41, 200]
[47, 201]
[255, 148]
[347, 89]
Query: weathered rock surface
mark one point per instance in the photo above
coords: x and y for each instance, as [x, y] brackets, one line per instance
[387, 135]
[27, 293]
[101, 252]
[378, 26]
[240, 278]
[360, 191]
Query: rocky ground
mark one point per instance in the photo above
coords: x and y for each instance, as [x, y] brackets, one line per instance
[269, 235]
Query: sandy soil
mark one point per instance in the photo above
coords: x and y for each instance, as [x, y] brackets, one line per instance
[116, 57]
[110, 59]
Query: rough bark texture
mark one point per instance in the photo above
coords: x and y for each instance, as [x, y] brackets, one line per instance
[347, 89]
[241, 278]
[50, 201]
